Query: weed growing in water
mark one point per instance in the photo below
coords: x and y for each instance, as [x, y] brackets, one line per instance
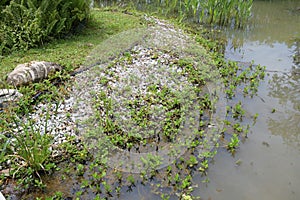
[234, 143]
[237, 111]
[233, 13]
[204, 166]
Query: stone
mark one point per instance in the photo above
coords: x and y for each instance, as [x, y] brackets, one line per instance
[31, 72]
[8, 96]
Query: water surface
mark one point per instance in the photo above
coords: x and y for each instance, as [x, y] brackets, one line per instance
[270, 157]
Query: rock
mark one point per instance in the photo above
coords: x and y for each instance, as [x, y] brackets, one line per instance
[8, 96]
[1, 196]
[31, 72]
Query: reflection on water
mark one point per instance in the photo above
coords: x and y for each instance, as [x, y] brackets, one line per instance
[272, 35]
[286, 125]
[273, 40]
[271, 23]
[275, 22]
[286, 88]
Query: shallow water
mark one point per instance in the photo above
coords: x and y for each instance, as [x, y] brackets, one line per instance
[269, 158]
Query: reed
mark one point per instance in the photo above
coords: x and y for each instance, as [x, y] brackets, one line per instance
[233, 13]
[219, 12]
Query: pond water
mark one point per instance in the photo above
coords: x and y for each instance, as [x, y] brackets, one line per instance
[269, 160]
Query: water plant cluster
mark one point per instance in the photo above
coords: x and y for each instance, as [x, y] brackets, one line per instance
[109, 172]
[241, 80]
[232, 12]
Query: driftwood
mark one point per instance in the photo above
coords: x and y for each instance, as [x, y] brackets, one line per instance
[31, 72]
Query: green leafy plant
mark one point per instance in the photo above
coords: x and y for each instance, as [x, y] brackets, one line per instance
[186, 182]
[238, 111]
[29, 23]
[56, 196]
[131, 179]
[192, 161]
[164, 197]
[233, 144]
[204, 166]
[80, 169]
[5, 147]
[225, 12]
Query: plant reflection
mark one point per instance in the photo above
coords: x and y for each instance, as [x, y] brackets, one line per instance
[286, 88]
[287, 126]
[266, 21]
[296, 56]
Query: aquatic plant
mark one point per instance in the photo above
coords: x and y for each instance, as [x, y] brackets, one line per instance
[211, 12]
[233, 144]
[228, 12]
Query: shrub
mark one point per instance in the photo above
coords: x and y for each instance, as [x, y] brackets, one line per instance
[4, 3]
[29, 23]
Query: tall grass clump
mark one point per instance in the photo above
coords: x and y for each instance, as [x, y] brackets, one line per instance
[30, 23]
[225, 12]
[26, 150]
[212, 12]
[32, 147]
[216, 12]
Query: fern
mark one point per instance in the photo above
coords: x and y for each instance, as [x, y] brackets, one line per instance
[29, 23]
[4, 3]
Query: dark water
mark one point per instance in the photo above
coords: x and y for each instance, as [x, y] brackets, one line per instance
[270, 157]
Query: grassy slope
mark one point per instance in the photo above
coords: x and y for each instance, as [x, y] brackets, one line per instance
[72, 50]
